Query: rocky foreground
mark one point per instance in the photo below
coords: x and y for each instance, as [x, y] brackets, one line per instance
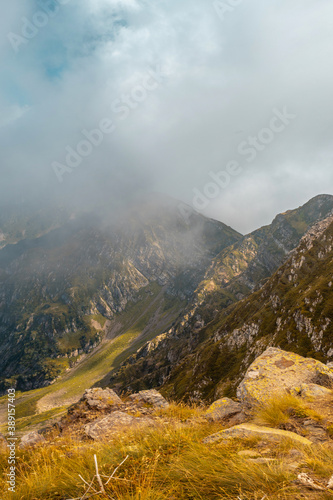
[281, 422]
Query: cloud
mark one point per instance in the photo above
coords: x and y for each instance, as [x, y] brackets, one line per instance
[218, 84]
[11, 114]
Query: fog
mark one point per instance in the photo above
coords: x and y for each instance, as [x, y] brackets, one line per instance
[114, 99]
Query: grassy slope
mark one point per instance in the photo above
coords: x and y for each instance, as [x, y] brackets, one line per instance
[222, 361]
[69, 388]
[169, 461]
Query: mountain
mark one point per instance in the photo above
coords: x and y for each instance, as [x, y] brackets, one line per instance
[292, 311]
[63, 282]
[171, 360]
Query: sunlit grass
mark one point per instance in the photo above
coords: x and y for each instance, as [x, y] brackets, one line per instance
[280, 409]
[165, 462]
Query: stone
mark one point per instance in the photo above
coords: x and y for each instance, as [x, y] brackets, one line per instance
[101, 399]
[251, 430]
[31, 439]
[150, 397]
[114, 422]
[223, 409]
[238, 418]
[313, 391]
[315, 431]
[277, 371]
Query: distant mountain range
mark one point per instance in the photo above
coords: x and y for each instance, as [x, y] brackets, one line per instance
[66, 277]
[59, 289]
[187, 360]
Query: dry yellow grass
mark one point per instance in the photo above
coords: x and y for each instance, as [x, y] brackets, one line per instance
[283, 408]
[167, 462]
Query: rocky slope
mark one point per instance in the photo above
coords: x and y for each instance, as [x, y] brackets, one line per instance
[232, 275]
[274, 441]
[58, 291]
[293, 311]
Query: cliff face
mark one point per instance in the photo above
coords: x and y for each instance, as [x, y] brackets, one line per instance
[212, 343]
[58, 290]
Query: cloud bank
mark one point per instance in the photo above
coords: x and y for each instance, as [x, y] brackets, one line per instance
[181, 86]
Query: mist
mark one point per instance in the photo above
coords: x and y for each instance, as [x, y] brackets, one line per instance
[104, 101]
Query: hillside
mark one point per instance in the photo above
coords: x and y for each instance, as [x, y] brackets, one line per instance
[293, 311]
[274, 442]
[60, 291]
[233, 274]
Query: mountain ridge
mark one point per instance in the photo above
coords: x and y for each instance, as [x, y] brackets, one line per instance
[56, 289]
[170, 348]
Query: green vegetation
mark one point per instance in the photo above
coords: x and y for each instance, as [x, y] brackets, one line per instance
[301, 308]
[33, 407]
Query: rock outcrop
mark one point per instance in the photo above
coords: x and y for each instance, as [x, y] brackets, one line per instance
[251, 430]
[269, 379]
[101, 412]
[277, 371]
[101, 399]
[117, 421]
[223, 409]
[149, 397]
[31, 439]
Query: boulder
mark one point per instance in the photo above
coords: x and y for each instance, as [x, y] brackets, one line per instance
[251, 430]
[151, 397]
[315, 431]
[223, 409]
[114, 422]
[313, 391]
[276, 371]
[31, 439]
[101, 399]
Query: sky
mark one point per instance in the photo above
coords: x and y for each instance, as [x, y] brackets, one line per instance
[223, 105]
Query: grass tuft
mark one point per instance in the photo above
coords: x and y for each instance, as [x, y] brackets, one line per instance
[281, 409]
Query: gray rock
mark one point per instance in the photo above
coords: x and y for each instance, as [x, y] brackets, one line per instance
[251, 430]
[223, 409]
[151, 397]
[101, 399]
[315, 431]
[277, 371]
[31, 439]
[314, 391]
[114, 422]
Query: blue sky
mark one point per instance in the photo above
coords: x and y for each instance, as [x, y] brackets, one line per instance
[218, 79]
